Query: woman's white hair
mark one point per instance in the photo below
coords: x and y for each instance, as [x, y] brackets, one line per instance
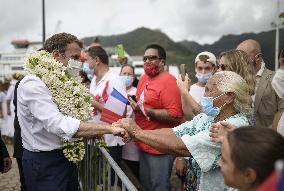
[228, 81]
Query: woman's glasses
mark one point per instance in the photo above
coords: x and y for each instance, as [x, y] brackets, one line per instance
[222, 66]
[150, 58]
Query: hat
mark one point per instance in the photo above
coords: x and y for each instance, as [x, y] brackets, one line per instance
[206, 56]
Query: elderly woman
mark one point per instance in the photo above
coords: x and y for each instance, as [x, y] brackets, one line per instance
[233, 60]
[226, 98]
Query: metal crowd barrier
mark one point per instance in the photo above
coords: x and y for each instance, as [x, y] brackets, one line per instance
[96, 175]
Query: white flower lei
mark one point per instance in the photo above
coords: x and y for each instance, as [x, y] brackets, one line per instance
[70, 95]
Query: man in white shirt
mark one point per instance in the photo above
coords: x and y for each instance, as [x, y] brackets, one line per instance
[43, 126]
[205, 66]
[102, 85]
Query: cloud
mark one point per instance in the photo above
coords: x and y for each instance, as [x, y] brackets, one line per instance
[202, 21]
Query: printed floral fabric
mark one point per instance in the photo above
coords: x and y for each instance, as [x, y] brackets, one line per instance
[205, 153]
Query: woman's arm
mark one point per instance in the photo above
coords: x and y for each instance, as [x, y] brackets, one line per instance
[163, 140]
[190, 107]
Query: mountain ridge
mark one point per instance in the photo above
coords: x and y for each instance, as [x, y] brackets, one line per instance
[185, 51]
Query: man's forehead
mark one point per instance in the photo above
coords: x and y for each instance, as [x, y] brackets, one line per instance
[203, 64]
[73, 48]
[151, 51]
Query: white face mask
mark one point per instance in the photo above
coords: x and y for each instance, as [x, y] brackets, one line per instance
[74, 67]
[127, 80]
[278, 82]
[203, 77]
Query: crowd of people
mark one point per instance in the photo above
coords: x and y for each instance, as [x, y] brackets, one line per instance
[225, 132]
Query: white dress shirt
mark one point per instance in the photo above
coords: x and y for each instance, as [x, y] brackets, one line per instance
[96, 89]
[42, 125]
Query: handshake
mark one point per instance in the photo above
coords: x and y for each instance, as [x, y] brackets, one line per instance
[125, 128]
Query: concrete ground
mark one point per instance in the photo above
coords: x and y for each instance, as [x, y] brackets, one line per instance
[10, 181]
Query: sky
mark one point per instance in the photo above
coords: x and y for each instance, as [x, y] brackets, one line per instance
[203, 21]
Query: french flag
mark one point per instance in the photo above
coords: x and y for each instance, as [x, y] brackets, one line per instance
[275, 182]
[115, 107]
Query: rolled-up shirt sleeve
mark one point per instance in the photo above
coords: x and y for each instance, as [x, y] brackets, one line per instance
[41, 105]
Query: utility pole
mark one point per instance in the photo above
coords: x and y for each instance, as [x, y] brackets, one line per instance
[277, 35]
[277, 25]
[43, 22]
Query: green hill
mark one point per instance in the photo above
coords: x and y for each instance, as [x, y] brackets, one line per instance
[135, 42]
[184, 52]
[266, 39]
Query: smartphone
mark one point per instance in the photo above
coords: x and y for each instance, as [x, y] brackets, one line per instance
[133, 97]
[183, 71]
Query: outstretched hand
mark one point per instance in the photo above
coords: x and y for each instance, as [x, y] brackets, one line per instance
[119, 131]
[183, 86]
[219, 130]
[130, 126]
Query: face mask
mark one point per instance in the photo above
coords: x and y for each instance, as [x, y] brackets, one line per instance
[151, 69]
[74, 67]
[278, 82]
[88, 71]
[127, 80]
[203, 77]
[208, 106]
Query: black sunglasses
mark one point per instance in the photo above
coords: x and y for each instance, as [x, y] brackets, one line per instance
[150, 58]
[222, 66]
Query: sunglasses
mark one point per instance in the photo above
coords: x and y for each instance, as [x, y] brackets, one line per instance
[222, 66]
[150, 58]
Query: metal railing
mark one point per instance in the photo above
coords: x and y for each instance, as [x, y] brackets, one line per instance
[97, 171]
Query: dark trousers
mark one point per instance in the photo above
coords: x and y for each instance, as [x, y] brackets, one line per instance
[116, 153]
[46, 171]
[134, 167]
[22, 179]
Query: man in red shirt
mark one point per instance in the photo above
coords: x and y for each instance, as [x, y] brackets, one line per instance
[158, 106]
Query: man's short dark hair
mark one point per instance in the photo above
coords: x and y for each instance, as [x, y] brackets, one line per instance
[99, 52]
[161, 51]
[60, 41]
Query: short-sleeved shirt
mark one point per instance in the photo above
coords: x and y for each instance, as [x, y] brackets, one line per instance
[196, 92]
[205, 153]
[160, 92]
[102, 90]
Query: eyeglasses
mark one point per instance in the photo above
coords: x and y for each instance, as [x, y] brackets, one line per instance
[222, 66]
[150, 58]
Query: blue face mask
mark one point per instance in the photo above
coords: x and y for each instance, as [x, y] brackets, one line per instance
[127, 80]
[88, 71]
[203, 77]
[208, 106]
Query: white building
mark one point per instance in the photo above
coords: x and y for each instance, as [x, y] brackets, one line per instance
[13, 61]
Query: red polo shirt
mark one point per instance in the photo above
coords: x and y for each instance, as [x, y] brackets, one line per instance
[160, 92]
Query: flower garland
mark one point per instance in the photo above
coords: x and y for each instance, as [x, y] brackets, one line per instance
[70, 95]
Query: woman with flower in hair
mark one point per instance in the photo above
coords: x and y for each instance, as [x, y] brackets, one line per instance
[226, 98]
